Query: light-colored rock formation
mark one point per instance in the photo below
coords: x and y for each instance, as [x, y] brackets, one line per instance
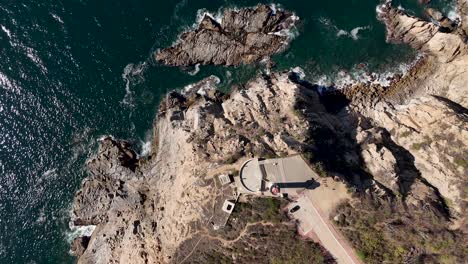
[447, 54]
[425, 114]
[462, 9]
[436, 135]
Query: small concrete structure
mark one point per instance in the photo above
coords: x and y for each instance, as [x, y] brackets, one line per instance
[228, 206]
[224, 179]
[273, 177]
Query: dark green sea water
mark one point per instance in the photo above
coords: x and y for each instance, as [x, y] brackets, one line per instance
[74, 70]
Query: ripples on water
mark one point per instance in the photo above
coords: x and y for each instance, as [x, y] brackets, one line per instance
[71, 71]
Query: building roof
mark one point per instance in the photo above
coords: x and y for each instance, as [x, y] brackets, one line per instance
[290, 174]
[251, 175]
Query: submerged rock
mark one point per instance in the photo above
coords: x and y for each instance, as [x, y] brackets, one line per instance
[243, 36]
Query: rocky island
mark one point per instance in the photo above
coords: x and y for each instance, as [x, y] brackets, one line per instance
[243, 36]
[391, 161]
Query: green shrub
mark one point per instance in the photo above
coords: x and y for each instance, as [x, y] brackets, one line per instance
[405, 133]
[461, 162]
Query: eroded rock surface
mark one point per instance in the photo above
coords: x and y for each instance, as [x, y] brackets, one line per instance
[425, 112]
[145, 209]
[404, 144]
[243, 36]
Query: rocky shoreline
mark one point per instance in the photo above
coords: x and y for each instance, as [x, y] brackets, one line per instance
[400, 149]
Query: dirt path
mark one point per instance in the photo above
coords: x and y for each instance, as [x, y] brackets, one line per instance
[243, 232]
[226, 242]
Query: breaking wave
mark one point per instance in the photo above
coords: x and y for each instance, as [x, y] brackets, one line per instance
[78, 231]
[360, 74]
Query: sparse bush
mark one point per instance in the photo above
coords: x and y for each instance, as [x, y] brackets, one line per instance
[405, 134]
[385, 232]
[308, 156]
[417, 146]
[320, 169]
[233, 158]
[461, 162]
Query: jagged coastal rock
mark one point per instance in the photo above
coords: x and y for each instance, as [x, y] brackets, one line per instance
[401, 150]
[426, 111]
[144, 210]
[241, 37]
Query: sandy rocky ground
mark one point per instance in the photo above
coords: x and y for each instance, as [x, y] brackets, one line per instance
[408, 140]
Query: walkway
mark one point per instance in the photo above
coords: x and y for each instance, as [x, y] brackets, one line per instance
[313, 223]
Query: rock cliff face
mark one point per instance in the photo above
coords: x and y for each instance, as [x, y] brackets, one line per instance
[425, 113]
[406, 143]
[243, 36]
[462, 9]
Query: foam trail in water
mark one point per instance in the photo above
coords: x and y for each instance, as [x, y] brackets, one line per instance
[6, 30]
[354, 33]
[132, 74]
[196, 70]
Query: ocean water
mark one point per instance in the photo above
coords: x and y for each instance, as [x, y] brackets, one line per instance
[74, 70]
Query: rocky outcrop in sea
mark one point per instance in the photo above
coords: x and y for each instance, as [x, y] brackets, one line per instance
[242, 36]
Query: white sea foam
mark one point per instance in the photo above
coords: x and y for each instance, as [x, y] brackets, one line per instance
[299, 72]
[273, 9]
[201, 87]
[353, 33]
[145, 148]
[196, 70]
[379, 9]
[342, 32]
[358, 75]
[146, 144]
[201, 13]
[6, 30]
[101, 138]
[451, 11]
[57, 18]
[132, 74]
[325, 21]
[78, 231]
[50, 174]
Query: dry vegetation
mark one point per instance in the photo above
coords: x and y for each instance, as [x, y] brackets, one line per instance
[258, 232]
[389, 232]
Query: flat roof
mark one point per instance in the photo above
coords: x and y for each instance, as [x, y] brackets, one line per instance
[291, 174]
[251, 175]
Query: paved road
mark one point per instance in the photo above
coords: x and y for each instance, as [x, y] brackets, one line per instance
[312, 221]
